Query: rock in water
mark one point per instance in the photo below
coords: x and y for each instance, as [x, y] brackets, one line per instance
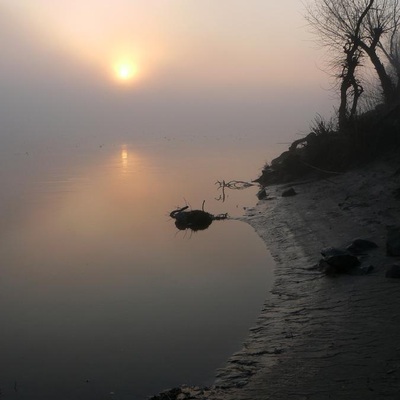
[195, 220]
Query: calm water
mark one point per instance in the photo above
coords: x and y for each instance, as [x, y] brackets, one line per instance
[101, 297]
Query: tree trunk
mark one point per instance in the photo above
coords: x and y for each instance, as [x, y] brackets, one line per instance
[342, 117]
[388, 88]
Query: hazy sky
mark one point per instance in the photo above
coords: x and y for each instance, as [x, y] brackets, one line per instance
[170, 67]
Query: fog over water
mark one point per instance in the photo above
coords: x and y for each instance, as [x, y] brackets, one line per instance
[226, 68]
[100, 292]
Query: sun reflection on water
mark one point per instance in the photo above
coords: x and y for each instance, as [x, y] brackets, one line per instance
[124, 158]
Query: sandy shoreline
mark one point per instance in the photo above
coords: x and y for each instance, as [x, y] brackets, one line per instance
[321, 337]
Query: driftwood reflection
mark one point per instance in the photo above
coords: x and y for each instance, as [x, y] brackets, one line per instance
[233, 185]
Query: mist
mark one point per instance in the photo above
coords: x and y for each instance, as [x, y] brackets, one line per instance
[218, 78]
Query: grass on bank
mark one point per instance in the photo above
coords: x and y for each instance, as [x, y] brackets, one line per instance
[327, 151]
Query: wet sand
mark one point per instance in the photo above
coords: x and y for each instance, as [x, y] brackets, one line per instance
[318, 336]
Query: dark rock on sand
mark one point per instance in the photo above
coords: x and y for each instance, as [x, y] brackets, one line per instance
[393, 271]
[364, 270]
[262, 194]
[360, 246]
[337, 261]
[343, 262]
[289, 192]
[393, 241]
[326, 268]
[332, 251]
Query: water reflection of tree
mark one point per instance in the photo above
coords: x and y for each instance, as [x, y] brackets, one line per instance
[233, 185]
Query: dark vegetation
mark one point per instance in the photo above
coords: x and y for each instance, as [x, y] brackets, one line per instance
[362, 37]
[328, 152]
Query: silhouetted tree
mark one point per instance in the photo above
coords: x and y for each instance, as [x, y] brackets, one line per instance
[379, 43]
[353, 29]
[390, 45]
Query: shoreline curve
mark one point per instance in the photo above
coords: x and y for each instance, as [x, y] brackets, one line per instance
[321, 337]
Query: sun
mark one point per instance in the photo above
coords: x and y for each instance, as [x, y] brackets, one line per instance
[125, 71]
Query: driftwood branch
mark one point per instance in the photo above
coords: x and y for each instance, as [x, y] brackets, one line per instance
[234, 185]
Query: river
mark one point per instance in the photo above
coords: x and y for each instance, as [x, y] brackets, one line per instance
[101, 296]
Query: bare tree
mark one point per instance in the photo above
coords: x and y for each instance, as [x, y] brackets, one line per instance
[340, 25]
[379, 42]
[353, 29]
[389, 45]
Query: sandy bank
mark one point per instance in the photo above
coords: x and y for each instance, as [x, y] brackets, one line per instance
[321, 337]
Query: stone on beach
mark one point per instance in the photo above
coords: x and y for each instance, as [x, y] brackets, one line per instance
[393, 271]
[337, 261]
[360, 246]
[262, 194]
[289, 192]
[393, 241]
